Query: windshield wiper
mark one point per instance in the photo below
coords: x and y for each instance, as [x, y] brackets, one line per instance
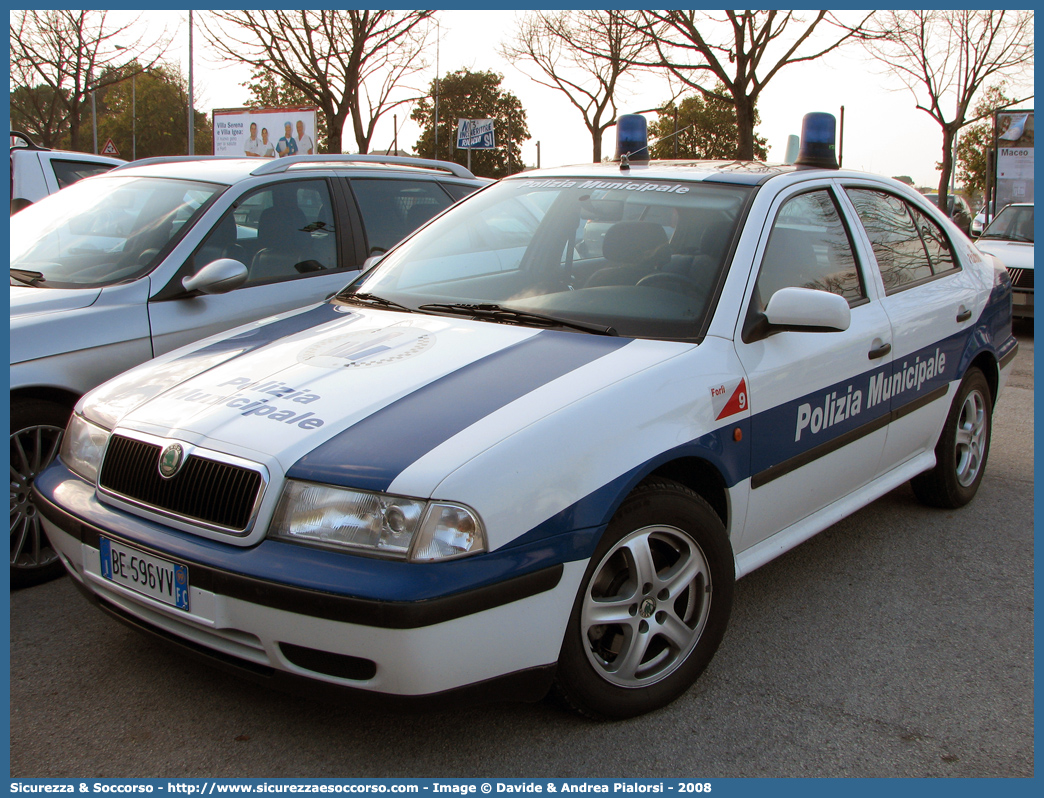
[27, 277]
[504, 315]
[373, 299]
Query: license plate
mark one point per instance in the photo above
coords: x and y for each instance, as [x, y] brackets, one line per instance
[151, 576]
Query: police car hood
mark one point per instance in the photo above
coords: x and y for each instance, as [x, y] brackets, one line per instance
[356, 394]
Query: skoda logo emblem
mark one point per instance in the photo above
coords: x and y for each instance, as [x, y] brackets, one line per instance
[647, 608]
[170, 460]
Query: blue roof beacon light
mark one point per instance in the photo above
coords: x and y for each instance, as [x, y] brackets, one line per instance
[632, 139]
[818, 136]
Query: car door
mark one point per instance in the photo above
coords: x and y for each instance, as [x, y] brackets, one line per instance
[933, 305]
[297, 247]
[815, 438]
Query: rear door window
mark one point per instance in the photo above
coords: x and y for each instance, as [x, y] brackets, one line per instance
[68, 172]
[909, 247]
[392, 209]
[459, 191]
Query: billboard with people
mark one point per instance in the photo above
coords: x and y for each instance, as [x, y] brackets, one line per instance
[265, 132]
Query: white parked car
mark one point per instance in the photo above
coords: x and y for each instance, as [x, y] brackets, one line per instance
[37, 172]
[543, 469]
[979, 222]
[1010, 237]
[119, 268]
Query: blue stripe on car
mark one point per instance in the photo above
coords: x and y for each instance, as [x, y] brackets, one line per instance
[372, 453]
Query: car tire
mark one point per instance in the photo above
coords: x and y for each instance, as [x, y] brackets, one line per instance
[37, 427]
[963, 448]
[652, 608]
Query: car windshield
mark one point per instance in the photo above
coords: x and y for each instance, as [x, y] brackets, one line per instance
[1013, 223]
[639, 258]
[104, 230]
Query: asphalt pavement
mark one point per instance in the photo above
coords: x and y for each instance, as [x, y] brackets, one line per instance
[898, 642]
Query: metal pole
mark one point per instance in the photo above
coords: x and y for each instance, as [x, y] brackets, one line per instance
[438, 35]
[538, 155]
[841, 141]
[953, 169]
[990, 188]
[134, 117]
[676, 132]
[94, 122]
[191, 114]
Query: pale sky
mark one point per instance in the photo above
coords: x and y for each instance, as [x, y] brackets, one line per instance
[884, 132]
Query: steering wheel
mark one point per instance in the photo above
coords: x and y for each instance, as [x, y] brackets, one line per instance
[671, 280]
[103, 224]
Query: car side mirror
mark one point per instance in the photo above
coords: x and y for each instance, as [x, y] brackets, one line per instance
[808, 310]
[217, 277]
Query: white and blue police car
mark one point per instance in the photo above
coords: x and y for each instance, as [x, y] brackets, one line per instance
[535, 446]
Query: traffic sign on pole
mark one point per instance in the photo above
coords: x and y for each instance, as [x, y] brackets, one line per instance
[475, 134]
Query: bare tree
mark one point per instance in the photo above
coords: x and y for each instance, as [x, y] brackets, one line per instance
[349, 63]
[66, 55]
[946, 57]
[583, 54]
[744, 51]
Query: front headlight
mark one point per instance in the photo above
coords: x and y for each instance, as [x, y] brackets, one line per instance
[83, 447]
[375, 523]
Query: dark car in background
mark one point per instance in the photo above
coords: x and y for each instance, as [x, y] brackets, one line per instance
[957, 209]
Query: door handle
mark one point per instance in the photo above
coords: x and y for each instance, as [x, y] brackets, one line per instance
[879, 351]
[963, 314]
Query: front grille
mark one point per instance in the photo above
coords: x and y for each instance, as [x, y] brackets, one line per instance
[204, 490]
[1021, 278]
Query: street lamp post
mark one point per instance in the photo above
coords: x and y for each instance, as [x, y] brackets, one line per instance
[94, 121]
[438, 35]
[94, 108]
[191, 115]
[134, 109]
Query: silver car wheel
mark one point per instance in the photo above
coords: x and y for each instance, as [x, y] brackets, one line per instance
[646, 606]
[970, 436]
[32, 450]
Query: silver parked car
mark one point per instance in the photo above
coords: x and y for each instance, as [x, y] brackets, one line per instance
[122, 267]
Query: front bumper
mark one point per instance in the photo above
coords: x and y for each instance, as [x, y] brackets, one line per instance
[505, 635]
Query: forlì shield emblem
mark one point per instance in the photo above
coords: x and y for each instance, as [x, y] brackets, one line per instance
[170, 460]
